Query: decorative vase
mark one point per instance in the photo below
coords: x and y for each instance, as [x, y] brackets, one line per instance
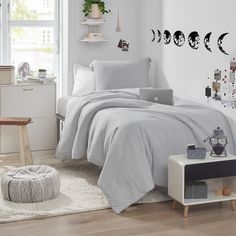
[95, 12]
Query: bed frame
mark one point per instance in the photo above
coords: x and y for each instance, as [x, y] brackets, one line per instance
[60, 124]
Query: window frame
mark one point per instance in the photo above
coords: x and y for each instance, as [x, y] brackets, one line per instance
[5, 29]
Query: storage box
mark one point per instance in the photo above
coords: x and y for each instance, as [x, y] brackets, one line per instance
[196, 190]
[198, 153]
[7, 74]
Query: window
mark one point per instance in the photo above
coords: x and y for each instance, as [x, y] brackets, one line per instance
[29, 33]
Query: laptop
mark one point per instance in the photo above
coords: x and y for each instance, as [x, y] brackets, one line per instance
[162, 96]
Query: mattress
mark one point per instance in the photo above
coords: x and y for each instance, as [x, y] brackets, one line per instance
[62, 105]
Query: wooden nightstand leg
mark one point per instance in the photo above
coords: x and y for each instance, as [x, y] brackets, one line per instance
[186, 209]
[233, 206]
[174, 204]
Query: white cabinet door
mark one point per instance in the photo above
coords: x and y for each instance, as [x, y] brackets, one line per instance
[42, 136]
[28, 101]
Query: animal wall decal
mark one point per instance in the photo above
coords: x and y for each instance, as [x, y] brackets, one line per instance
[193, 39]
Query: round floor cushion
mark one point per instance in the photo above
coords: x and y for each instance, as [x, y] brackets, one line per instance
[36, 183]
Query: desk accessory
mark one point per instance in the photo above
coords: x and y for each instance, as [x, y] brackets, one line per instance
[218, 142]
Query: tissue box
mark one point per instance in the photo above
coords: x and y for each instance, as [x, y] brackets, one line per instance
[198, 153]
[196, 190]
[7, 75]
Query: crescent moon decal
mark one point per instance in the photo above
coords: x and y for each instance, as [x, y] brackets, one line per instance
[154, 35]
[166, 37]
[220, 42]
[194, 40]
[179, 38]
[207, 41]
[158, 36]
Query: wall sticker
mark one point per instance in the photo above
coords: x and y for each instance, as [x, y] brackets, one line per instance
[220, 41]
[154, 35]
[207, 41]
[167, 37]
[194, 40]
[124, 45]
[179, 38]
[158, 36]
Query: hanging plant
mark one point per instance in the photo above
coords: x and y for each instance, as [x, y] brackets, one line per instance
[87, 7]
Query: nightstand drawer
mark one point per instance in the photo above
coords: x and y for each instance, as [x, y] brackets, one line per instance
[210, 170]
[28, 101]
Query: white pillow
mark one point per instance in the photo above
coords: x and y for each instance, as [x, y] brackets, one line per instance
[121, 74]
[84, 81]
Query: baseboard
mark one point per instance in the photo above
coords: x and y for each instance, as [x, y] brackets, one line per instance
[35, 154]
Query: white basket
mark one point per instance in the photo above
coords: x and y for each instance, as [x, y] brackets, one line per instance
[7, 75]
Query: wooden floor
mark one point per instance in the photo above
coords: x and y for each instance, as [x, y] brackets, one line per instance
[149, 219]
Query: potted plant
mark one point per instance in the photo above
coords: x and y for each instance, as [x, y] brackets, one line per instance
[94, 9]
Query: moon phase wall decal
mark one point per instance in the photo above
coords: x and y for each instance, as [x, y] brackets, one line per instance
[220, 42]
[207, 41]
[158, 36]
[154, 35]
[166, 37]
[194, 40]
[179, 38]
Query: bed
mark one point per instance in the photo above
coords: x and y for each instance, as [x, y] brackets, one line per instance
[132, 139]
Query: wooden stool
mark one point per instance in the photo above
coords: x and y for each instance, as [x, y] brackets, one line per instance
[25, 152]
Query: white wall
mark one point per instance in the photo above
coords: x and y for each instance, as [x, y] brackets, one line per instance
[184, 69]
[84, 53]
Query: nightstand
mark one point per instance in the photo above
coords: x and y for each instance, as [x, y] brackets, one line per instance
[217, 172]
[37, 101]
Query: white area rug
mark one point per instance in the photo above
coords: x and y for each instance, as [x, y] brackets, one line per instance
[79, 193]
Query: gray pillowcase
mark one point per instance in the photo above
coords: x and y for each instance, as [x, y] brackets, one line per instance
[121, 74]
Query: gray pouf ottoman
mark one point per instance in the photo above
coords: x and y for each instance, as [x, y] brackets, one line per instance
[29, 184]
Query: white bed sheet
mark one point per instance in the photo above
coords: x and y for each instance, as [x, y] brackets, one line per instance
[62, 105]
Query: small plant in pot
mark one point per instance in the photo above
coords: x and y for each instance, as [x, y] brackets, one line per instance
[94, 9]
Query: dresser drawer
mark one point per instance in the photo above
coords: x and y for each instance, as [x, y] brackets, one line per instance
[42, 136]
[28, 101]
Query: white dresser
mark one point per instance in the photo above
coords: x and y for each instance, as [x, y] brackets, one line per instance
[37, 101]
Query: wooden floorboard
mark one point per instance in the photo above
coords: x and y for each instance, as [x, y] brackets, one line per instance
[148, 219]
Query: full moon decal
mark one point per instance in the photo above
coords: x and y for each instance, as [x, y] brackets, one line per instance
[207, 41]
[158, 36]
[153, 35]
[179, 38]
[194, 40]
[166, 37]
[220, 42]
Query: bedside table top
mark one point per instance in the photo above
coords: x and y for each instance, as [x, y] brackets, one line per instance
[26, 84]
[183, 160]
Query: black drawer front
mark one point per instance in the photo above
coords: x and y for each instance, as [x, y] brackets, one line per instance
[210, 170]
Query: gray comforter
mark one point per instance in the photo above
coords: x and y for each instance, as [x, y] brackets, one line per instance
[132, 139]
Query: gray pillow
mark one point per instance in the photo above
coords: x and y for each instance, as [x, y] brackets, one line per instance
[121, 74]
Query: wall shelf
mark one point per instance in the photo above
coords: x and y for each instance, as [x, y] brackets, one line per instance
[88, 40]
[93, 25]
[94, 22]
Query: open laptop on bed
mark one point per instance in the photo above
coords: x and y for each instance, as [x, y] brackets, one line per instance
[162, 96]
